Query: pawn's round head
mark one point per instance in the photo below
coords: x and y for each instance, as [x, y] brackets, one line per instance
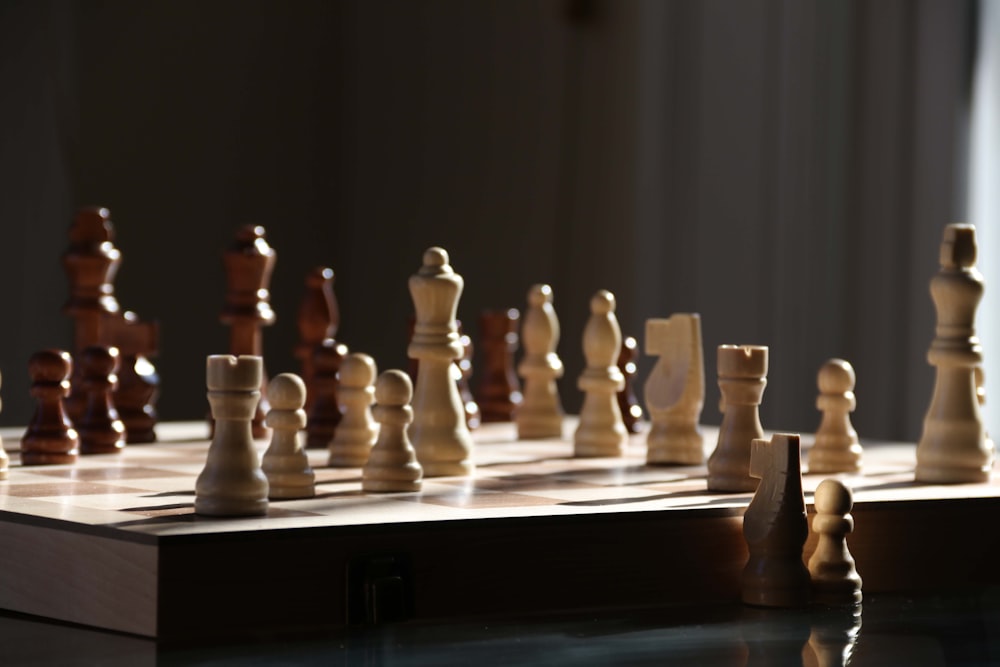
[286, 392]
[602, 303]
[50, 366]
[836, 376]
[435, 257]
[833, 497]
[99, 360]
[357, 370]
[393, 388]
[539, 295]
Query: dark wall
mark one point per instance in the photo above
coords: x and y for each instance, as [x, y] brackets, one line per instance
[782, 168]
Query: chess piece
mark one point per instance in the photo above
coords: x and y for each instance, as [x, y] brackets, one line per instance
[100, 429]
[601, 431]
[438, 432]
[285, 463]
[392, 465]
[138, 382]
[836, 448]
[497, 393]
[628, 404]
[980, 378]
[675, 390]
[232, 483]
[49, 438]
[742, 378]
[775, 526]
[324, 415]
[953, 447]
[473, 415]
[90, 262]
[835, 581]
[357, 431]
[463, 373]
[319, 317]
[833, 635]
[249, 262]
[540, 414]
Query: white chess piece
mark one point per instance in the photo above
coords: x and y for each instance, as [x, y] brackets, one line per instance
[836, 448]
[601, 431]
[742, 378]
[540, 414]
[356, 431]
[232, 483]
[285, 463]
[953, 447]
[392, 465]
[675, 390]
[835, 580]
[775, 526]
[439, 432]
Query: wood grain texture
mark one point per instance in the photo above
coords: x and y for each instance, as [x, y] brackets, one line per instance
[113, 541]
[67, 576]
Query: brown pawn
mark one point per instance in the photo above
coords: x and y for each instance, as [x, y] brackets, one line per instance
[100, 429]
[90, 262]
[138, 382]
[249, 262]
[324, 414]
[498, 392]
[50, 438]
[627, 401]
[473, 417]
[318, 320]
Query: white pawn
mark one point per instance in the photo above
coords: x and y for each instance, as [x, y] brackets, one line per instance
[675, 390]
[601, 431]
[540, 414]
[356, 431]
[835, 580]
[392, 464]
[232, 483]
[836, 448]
[953, 447]
[285, 462]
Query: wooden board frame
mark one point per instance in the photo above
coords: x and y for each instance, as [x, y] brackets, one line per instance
[535, 531]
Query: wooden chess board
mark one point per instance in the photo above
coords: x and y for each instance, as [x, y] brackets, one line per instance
[113, 542]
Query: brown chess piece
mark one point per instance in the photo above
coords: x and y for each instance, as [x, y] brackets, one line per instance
[498, 392]
[324, 414]
[90, 262]
[50, 438]
[318, 320]
[100, 429]
[138, 381]
[627, 401]
[249, 262]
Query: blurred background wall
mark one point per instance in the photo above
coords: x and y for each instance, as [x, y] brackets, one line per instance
[785, 168]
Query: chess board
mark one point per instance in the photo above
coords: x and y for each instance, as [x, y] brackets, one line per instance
[113, 542]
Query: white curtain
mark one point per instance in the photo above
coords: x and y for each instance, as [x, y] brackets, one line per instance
[984, 197]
